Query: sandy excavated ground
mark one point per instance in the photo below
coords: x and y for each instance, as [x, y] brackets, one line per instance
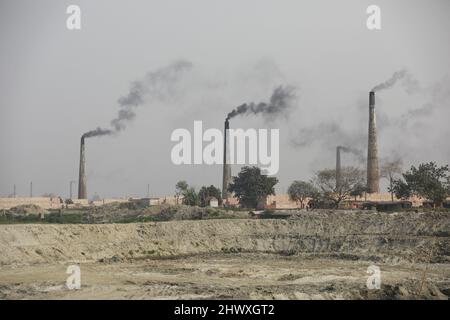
[227, 276]
[314, 255]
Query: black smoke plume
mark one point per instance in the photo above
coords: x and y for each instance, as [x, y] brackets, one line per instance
[96, 132]
[356, 152]
[408, 81]
[158, 85]
[280, 102]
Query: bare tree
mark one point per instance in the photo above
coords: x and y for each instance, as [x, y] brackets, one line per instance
[389, 170]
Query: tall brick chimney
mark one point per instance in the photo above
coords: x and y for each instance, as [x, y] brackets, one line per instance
[338, 167]
[226, 166]
[373, 171]
[82, 193]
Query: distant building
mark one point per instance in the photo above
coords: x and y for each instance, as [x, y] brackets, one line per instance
[146, 201]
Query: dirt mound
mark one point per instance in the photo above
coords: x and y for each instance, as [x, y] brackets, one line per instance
[27, 209]
[355, 235]
[135, 212]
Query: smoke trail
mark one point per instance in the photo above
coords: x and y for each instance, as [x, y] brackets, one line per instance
[159, 84]
[439, 96]
[390, 82]
[356, 152]
[123, 116]
[326, 133]
[96, 132]
[409, 82]
[281, 100]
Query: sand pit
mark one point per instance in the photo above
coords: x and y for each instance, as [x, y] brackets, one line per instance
[313, 255]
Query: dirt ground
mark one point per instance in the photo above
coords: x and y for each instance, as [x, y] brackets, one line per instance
[314, 255]
[228, 276]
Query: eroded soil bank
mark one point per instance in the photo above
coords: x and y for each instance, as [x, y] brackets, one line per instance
[311, 255]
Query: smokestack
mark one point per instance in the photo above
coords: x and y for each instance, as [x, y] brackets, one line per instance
[82, 194]
[338, 167]
[226, 165]
[373, 171]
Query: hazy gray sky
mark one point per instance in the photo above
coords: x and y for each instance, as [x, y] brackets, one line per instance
[56, 84]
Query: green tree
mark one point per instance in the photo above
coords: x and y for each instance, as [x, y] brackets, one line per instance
[180, 188]
[401, 189]
[351, 180]
[358, 190]
[427, 181]
[190, 197]
[250, 186]
[298, 191]
[206, 193]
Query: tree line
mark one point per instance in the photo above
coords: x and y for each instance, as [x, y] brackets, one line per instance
[427, 181]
